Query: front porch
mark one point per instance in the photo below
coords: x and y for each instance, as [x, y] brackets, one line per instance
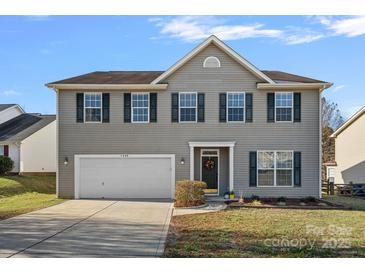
[212, 162]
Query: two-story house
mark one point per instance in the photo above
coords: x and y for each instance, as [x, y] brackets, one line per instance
[212, 116]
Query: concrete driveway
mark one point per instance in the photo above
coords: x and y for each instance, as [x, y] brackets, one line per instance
[88, 228]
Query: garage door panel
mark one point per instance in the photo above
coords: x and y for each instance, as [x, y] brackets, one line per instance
[125, 178]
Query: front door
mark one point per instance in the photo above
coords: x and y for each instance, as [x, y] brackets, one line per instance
[209, 172]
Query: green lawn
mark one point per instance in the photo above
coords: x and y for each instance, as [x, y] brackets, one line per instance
[247, 232]
[354, 203]
[21, 194]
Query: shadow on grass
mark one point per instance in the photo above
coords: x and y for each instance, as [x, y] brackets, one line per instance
[15, 185]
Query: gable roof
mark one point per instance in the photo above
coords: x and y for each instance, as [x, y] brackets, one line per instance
[112, 77]
[213, 40]
[24, 125]
[280, 76]
[349, 122]
[145, 77]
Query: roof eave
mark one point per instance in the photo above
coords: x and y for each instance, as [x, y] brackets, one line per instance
[108, 86]
[351, 120]
[293, 86]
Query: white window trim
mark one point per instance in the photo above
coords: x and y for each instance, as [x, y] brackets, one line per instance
[275, 152]
[196, 107]
[292, 107]
[101, 107]
[148, 107]
[201, 167]
[211, 57]
[244, 106]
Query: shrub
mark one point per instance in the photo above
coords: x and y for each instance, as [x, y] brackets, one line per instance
[282, 199]
[189, 193]
[255, 197]
[6, 165]
[256, 202]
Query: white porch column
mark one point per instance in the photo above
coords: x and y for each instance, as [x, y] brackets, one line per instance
[231, 166]
[191, 162]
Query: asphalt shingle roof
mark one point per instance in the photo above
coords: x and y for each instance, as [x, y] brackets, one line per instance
[24, 125]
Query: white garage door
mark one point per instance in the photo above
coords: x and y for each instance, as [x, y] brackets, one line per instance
[127, 176]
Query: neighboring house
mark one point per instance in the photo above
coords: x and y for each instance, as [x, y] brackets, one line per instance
[212, 116]
[350, 150]
[28, 139]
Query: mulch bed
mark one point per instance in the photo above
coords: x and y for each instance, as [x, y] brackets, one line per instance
[289, 204]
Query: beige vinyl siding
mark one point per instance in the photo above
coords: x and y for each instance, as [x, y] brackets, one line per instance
[350, 153]
[167, 137]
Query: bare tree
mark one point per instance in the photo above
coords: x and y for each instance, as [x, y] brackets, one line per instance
[331, 115]
[331, 120]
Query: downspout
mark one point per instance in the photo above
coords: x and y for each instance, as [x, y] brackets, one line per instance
[320, 141]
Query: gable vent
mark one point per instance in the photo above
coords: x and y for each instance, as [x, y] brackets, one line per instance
[211, 62]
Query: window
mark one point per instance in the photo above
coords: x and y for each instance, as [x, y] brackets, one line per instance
[92, 107]
[275, 168]
[211, 62]
[235, 106]
[284, 106]
[2, 151]
[140, 107]
[187, 106]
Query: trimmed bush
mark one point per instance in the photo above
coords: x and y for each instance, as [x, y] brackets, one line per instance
[189, 193]
[6, 165]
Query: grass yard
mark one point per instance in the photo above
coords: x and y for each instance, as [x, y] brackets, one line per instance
[247, 232]
[22, 194]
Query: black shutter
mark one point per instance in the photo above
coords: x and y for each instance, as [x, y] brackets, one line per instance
[153, 107]
[79, 107]
[253, 168]
[297, 168]
[222, 107]
[297, 107]
[175, 107]
[127, 107]
[201, 107]
[249, 107]
[271, 107]
[106, 111]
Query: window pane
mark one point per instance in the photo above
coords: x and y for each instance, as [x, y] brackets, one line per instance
[235, 114]
[265, 160]
[266, 177]
[187, 100]
[188, 114]
[236, 100]
[93, 114]
[284, 159]
[283, 99]
[283, 114]
[93, 100]
[283, 177]
[2, 150]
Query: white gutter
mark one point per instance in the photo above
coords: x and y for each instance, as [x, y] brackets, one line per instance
[291, 86]
[108, 86]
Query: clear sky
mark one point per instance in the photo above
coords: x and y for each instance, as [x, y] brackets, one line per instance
[35, 50]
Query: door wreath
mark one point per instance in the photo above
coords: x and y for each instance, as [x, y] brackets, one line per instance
[209, 164]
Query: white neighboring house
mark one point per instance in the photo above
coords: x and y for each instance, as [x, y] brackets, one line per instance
[29, 139]
[350, 151]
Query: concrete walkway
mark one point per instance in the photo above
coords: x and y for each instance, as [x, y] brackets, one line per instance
[88, 228]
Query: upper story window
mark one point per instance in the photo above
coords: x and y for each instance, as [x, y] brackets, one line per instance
[235, 106]
[275, 168]
[93, 103]
[188, 106]
[283, 106]
[140, 108]
[211, 62]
